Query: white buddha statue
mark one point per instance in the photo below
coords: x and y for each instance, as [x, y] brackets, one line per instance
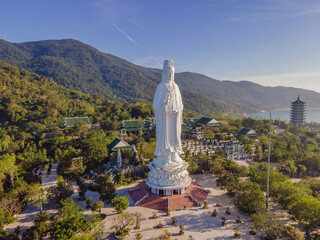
[168, 108]
[168, 171]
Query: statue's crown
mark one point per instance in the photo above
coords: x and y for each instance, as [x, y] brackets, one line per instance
[168, 63]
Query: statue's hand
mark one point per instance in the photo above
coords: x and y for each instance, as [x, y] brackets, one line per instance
[174, 111]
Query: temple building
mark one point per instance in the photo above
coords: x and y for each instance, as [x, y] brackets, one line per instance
[71, 121]
[130, 126]
[298, 113]
[248, 132]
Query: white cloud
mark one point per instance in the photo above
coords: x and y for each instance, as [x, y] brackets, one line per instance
[149, 61]
[306, 80]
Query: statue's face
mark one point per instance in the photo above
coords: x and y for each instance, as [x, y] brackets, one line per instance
[168, 74]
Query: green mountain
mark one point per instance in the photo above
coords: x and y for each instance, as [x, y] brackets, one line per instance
[79, 66]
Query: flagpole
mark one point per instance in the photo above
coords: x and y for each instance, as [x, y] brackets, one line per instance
[268, 171]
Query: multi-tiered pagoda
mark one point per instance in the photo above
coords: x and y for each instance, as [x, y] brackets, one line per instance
[298, 113]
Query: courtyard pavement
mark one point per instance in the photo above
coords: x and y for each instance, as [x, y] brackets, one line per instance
[197, 221]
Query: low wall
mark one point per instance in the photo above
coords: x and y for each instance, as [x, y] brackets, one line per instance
[301, 174]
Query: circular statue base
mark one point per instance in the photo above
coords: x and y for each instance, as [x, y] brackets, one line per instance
[168, 179]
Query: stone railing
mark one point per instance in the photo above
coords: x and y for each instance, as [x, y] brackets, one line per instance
[136, 188]
[195, 200]
[139, 201]
[203, 189]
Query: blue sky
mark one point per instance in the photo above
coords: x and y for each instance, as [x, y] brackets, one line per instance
[271, 42]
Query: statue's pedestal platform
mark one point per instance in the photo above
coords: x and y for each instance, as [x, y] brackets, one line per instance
[168, 179]
[193, 196]
[169, 190]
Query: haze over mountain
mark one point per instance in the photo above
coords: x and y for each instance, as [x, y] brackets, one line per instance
[79, 66]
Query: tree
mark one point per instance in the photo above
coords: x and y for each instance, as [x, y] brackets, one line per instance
[122, 223]
[238, 220]
[311, 184]
[293, 233]
[181, 227]
[30, 234]
[82, 191]
[120, 203]
[138, 218]
[71, 166]
[11, 204]
[8, 167]
[138, 236]
[248, 148]
[228, 182]
[105, 187]
[249, 198]
[154, 215]
[164, 236]
[236, 232]
[38, 196]
[307, 212]
[127, 154]
[269, 224]
[5, 141]
[205, 205]
[97, 206]
[69, 221]
[95, 147]
[89, 201]
[286, 193]
[61, 191]
[214, 213]
[80, 129]
[261, 178]
[174, 221]
[5, 218]
[42, 224]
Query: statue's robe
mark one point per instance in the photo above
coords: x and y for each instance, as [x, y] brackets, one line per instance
[168, 108]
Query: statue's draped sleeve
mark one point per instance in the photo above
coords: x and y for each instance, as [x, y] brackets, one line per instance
[168, 107]
[157, 101]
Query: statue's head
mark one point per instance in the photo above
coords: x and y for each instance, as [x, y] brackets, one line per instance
[167, 71]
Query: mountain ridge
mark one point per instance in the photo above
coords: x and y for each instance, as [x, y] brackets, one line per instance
[80, 66]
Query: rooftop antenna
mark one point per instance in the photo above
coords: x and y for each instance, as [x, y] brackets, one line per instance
[268, 171]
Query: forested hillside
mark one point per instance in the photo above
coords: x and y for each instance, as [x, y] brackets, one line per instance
[35, 103]
[79, 66]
